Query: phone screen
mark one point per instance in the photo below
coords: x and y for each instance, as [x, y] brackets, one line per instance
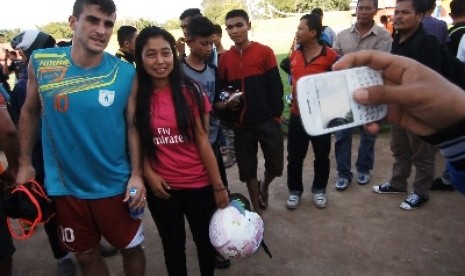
[334, 99]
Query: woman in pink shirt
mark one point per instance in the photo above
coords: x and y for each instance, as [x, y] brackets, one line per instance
[180, 168]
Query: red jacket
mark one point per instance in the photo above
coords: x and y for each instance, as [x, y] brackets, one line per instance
[254, 71]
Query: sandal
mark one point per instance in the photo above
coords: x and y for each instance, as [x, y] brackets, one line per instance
[292, 201]
[262, 196]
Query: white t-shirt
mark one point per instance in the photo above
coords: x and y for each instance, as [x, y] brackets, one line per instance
[461, 49]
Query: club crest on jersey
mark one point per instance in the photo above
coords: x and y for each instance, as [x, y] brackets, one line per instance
[106, 97]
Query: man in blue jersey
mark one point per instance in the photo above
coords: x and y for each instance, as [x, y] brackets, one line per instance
[90, 143]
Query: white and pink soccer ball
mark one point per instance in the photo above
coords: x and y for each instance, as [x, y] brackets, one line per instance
[236, 233]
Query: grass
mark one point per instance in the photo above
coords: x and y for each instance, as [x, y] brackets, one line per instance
[287, 91]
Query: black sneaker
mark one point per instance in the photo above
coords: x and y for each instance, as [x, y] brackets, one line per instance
[440, 185]
[221, 262]
[413, 202]
[386, 188]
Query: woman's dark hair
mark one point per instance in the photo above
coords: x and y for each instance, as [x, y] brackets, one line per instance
[177, 79]
[313, 23]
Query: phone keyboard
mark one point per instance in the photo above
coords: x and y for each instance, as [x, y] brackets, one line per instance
[369, 78]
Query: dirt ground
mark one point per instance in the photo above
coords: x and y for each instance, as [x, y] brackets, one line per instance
[359, 233]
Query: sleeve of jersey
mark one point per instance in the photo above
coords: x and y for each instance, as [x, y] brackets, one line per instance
[451, 143]
[275, 85]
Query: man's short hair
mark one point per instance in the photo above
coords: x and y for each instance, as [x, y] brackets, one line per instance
[419, 6]
[457, 8]
[430, 4]
[200, 26]
[125, 33]
[237, 13]
[218, 30]
[313, 22]
[375, 3]
[383, 18]
[106, 6]
[191, 12]
[317, 11]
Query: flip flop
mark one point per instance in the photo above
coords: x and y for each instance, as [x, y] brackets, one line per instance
[262, 196]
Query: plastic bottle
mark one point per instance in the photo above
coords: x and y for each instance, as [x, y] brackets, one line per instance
[135, 213]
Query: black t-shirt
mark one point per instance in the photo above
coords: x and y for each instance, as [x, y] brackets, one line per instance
[420, 46]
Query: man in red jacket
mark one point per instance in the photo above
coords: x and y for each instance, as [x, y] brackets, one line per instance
[251, 68]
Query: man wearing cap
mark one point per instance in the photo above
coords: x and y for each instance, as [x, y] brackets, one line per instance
[90, 143]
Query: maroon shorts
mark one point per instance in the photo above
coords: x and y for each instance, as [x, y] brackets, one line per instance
[82, 222]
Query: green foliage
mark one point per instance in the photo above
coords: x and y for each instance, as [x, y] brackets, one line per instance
[172, 24]
[325, 5]
[58, 30]
[142, 23]
[216, 10]
[284, 5]
[9, 34]
[138, 23]
[287, 90]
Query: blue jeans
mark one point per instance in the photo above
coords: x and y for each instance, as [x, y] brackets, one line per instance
[343, 150]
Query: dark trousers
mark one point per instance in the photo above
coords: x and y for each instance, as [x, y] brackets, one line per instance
[219, 161]
[407, 149]
[197, 205]
[297, 147]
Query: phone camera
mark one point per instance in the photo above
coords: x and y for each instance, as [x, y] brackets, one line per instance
[225, 95]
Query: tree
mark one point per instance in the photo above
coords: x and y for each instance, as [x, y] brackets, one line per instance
[139, 24]
[9, 34]
[142, 23]
[216, 10]
[58, 30]
[284, 5]
[325, 5]
[172, 24]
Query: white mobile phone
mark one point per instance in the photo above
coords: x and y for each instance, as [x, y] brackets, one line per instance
[326, 104]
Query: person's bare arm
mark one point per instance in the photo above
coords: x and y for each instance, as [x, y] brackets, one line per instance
[9, 144]
[28, 123]
[208, 158]
[135, 181]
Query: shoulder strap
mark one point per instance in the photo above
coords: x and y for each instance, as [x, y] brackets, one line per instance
[454, 30]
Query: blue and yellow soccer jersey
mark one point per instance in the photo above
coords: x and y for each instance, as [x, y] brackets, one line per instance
[83, 124]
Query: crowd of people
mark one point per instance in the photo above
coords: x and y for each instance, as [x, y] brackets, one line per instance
[153, 119]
